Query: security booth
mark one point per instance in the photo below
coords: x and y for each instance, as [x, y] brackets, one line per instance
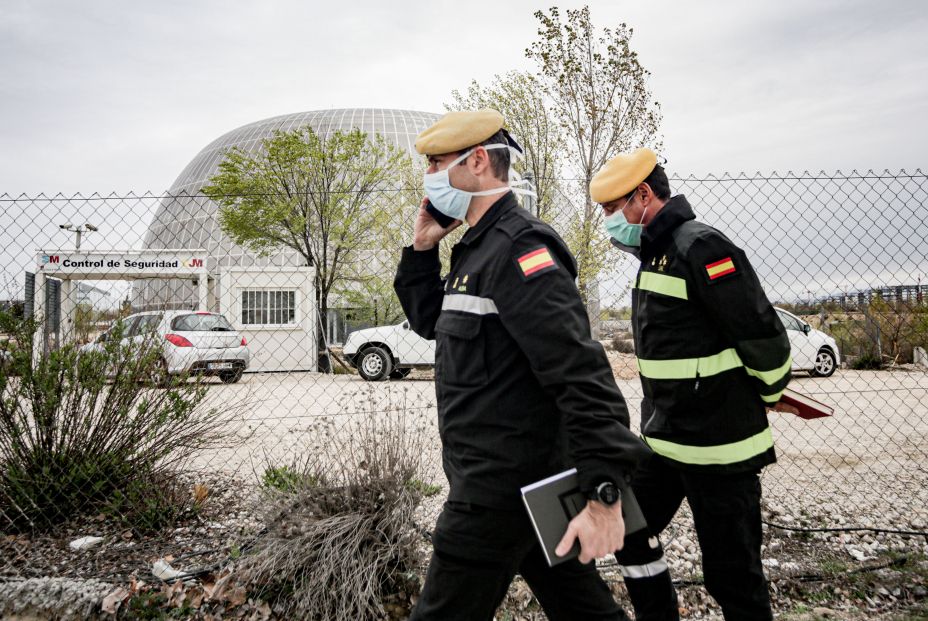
[70, 266]
[273, 307]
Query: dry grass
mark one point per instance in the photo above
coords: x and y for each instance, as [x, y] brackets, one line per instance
[340, 537]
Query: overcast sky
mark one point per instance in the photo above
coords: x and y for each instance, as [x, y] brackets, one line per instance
[103, 96]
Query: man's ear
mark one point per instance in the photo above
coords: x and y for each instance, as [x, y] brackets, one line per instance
[481, 160]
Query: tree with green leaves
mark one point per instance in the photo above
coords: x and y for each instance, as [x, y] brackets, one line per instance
[519, 96]
[598, 91]
[329, 197]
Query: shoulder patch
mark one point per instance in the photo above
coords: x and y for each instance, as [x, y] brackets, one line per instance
[721, 268]
[535, 262]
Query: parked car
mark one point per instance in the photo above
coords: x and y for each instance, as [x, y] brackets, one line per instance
[812, 350]
[195, 342]
[388, 352]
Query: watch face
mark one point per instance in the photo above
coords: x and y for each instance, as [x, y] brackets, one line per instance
[608, 493]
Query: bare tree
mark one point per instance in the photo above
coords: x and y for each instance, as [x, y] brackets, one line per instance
[519, 96]
[598, 92]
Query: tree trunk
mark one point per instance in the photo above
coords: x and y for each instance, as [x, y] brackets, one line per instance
[322, 323]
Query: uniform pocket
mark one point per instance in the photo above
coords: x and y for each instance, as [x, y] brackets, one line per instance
[461, 350]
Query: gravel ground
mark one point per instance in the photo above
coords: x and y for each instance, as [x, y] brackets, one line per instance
[866, 466]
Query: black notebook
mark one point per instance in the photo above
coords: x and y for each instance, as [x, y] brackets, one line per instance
[554, 501]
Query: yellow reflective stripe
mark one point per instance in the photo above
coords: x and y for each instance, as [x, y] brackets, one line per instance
[713, 455]
[771, 399]
[774, 376]
[689, 368]
[662, 283]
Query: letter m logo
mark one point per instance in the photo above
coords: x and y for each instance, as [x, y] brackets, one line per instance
[53, 258]
[196, 262]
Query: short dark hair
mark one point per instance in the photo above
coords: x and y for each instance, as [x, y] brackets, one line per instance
[499, 158]
[658, 182]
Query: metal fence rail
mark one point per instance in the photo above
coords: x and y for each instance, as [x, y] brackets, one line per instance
[846, 254]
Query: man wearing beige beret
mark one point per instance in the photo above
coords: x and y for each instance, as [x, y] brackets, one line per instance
[712, 356]
[523, 391]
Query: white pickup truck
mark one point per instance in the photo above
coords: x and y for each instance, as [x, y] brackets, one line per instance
[388, 352]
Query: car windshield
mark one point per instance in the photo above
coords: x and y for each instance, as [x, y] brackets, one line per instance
[201, 323]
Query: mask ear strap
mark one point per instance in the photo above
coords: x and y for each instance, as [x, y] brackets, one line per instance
[523, 192]
[515, 179]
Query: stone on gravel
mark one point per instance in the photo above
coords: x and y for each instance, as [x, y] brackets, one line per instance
[52, 598]
[85, 543]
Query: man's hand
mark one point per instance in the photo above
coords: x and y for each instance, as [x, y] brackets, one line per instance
[600, 529]
[427, 232]
[779, 406]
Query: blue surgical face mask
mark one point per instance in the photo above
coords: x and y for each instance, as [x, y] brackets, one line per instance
[622, 230]
[450, 200]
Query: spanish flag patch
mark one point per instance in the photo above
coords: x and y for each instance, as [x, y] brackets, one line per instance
[720, 268]
[535, 262]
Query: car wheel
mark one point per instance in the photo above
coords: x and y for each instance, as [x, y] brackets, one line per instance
[824, 363]
[375, 364]
[230, 377]
[400, 373]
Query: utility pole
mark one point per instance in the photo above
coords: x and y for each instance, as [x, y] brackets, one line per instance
[68, 303]
[530, 202]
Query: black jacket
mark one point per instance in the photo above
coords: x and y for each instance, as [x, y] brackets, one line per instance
[711, 351]
[523, 391]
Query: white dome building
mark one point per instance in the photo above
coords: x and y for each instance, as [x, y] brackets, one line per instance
[187, 219]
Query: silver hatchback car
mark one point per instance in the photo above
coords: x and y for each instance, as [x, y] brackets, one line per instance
[195, 342]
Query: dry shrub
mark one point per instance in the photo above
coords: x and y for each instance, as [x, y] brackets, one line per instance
[340, 537]
[88, 432]
[623, 343]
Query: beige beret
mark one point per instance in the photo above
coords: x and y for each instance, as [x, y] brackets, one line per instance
[456, 131]
[622, 174]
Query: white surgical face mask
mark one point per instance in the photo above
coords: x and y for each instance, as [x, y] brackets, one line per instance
[454, 202]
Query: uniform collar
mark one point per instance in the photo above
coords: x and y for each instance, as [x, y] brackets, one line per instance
[501, 206]
[673, 214]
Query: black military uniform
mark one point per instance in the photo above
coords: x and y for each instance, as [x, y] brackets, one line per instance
[712, 355]
[523, 393]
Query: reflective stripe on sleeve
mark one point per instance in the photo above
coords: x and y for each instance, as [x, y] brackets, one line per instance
[689, 368]
[773, 376]
[644, 571]
[469, 304]
[713, 455]
[662, 283]
[771, 399]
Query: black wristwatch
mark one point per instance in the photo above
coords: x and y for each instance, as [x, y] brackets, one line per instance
[607, 493]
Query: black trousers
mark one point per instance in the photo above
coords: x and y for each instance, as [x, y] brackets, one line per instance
[726, 514]
[476, 553]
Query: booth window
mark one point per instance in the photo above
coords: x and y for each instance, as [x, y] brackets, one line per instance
[268, 308]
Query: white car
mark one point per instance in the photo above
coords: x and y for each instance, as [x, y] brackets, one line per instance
[195, 342]
[812, 350]
[388, 351]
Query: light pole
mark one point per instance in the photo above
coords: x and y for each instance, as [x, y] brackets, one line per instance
[68, 303]
[85, 228]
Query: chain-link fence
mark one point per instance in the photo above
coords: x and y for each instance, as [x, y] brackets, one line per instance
[842, 256]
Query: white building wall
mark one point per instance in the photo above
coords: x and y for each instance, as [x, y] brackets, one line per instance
[274, 347]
